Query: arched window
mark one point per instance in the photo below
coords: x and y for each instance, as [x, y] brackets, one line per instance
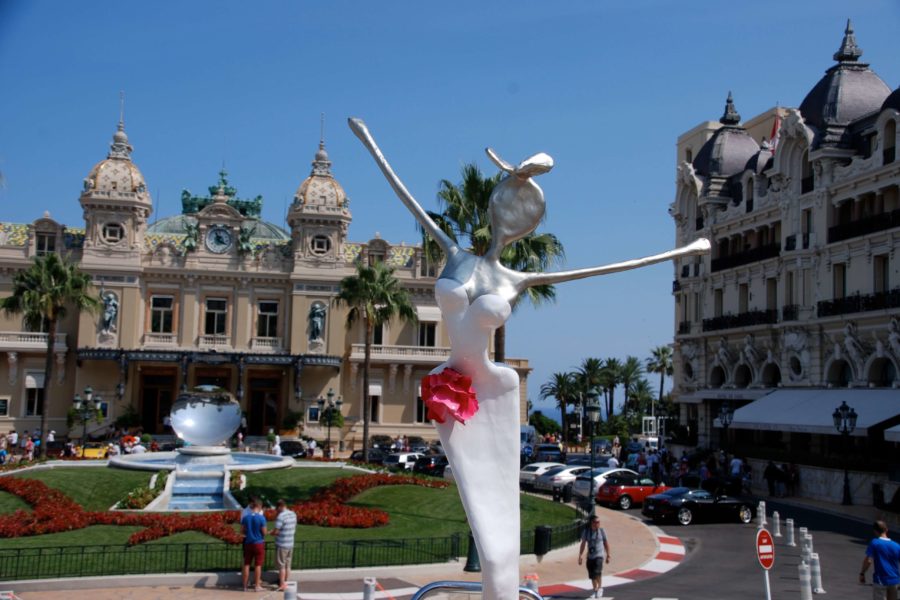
[889, 153]
[806, 174]
[748, 194]
[717, 377]
[689, 155]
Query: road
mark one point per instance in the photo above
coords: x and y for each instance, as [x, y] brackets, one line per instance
[721, 561]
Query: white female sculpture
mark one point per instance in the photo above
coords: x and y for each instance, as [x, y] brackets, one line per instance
[475, 294]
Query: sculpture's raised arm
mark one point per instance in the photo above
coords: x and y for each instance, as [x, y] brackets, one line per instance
[431, 228]
[700, 246]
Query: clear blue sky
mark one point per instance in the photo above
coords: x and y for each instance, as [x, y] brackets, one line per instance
[604, 87]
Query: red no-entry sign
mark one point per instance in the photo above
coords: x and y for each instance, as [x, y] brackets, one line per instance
[765, 549]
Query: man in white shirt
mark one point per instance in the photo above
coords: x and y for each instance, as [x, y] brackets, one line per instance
[613, 462]
[285, 526]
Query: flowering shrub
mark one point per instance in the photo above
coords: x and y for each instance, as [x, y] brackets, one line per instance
[449, 393]
[53, 511]
[139, 498]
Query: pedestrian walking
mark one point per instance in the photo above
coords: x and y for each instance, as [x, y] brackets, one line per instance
[594, 539]
[253, 527]
[884, 554]
[285, 526]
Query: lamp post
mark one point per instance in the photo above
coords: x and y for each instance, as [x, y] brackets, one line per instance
[327, 408]
[726, 415]
[592, 408]
[85, 408]
[845, 422]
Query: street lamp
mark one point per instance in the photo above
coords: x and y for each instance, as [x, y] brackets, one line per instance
[845, 422]
[592, 408]
[726, 415]
[85, 409]
[327, 408]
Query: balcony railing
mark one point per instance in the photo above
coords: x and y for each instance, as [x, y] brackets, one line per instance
[12, 341]
[859, 303]
[413, 354]
[266, 344]
[790, 312]
[159, 339]
[215, 341]
[746, 257]
[864, 226]
[684, 327]
[747, 319]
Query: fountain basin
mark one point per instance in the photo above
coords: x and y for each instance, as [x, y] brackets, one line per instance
[237, 461]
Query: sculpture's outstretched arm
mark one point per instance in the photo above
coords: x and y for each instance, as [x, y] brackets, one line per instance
[431, 228]
[700, 246]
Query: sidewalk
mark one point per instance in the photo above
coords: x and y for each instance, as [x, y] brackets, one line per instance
[633, 545]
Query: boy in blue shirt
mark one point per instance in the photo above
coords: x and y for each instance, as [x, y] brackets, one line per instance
[253, 526]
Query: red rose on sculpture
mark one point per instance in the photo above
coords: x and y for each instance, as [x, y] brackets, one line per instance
[449, 393]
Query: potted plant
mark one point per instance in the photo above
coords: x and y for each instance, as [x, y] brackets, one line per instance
[290, 424]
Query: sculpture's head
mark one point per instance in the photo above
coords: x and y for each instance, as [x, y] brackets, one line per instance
[517, 202]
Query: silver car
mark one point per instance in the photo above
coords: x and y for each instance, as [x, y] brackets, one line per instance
[558, 478]
[588, 483]
[531, 472]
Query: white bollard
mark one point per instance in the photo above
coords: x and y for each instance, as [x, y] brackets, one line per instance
[761, 513]
[810, 542]
[789, 525]
[776, 519]
[369, 588]
[805, 583]
[290, 590]
[806, 549]
[816, 570]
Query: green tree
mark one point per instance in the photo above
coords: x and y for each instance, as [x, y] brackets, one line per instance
[42, 295]
[563, 387]
[374, 297]
[465, 216]
[660, 362]
[631, 372]
[543, 424]
[588, 375]
[640, 397]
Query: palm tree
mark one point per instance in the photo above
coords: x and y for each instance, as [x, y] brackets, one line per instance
[42, 294]
[660, 362]
[631, 372]
[563, 387]
[611, 377]
[640, 397]
[374, 296]
[465, 213]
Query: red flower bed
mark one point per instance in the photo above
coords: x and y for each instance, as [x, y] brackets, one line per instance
[53, 511]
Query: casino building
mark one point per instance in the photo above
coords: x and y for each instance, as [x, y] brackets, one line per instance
[215, 295]
[797, 309]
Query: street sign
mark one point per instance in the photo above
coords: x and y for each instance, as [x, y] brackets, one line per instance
[765, 549]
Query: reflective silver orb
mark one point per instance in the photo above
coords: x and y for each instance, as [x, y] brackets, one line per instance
[205, 416]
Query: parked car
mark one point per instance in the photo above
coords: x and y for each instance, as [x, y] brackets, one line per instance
[92, 450]
[382, 442]
[530, 472]
[558, 478]
[376, 456]
[686, 506]
[587, 484]
[549, 453]
[293, 448]
[625, 490]
[402, 461]
[432, 464]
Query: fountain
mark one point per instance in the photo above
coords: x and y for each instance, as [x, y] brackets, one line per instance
[204, 419]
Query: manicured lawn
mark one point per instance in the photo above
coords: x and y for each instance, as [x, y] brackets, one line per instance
[11, 503]
[94, 488]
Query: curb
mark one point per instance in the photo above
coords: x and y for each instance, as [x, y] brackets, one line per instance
[669, 554]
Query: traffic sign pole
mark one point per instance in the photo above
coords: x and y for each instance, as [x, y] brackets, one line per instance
[765, 553]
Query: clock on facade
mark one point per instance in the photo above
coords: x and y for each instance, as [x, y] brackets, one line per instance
[219, 239]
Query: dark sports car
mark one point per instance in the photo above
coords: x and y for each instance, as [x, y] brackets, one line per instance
[688, 505]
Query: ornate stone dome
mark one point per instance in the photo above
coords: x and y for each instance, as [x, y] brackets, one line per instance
[263, 231]
[729, 150]
[117, 174]
[320, 188]
[848, 91]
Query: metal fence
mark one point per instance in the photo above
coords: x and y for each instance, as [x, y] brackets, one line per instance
[104, 560]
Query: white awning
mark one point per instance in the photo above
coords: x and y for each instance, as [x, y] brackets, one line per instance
[810, 410]
[34, 380]
[718, 394]
[892, 434]
[375, 389]
[429, 314]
